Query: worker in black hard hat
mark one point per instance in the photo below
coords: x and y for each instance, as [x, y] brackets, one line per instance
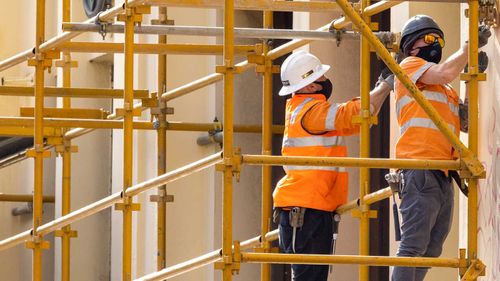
[427, 196]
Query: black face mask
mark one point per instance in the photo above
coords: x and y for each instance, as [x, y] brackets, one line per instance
[430, 53]
[327, 88]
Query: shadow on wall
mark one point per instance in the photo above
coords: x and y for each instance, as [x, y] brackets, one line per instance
[489, 189]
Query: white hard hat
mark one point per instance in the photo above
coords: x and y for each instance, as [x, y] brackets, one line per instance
[299, 70]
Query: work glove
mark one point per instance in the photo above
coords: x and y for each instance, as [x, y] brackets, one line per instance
[484, 34]
[482, 62]
[386, 76]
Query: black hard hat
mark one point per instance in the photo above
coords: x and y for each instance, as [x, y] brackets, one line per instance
[416, 27]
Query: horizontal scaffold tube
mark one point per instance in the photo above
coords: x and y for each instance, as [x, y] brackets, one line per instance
[349, 259]
[256, 33]
[273, 54]
[105, 16]
[257, 5]
[23, 122]
[367, 199]
[71, 92]
[171, 49]
[368, 11]
[202, 260]
[113, 198]
[351, 162]
[213, 256]
[24, 198]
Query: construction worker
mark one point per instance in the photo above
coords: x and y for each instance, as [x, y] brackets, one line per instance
[305, 197]
[427, 195]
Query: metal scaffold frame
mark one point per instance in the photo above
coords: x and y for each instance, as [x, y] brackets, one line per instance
[64, 124]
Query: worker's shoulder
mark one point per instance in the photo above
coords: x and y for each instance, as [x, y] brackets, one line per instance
[412, 60]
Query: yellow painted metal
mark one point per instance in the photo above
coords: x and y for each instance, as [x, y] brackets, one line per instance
[71, 92]
[267, 135]
[259, 5]
[200, 83]
[128, 131]
[38, 143]
[228, 108]
[66, 232]
[364, 148]
[73, 123]
[203, 260]
[14, 131]
[161, 138]
[82, 131]
[79, 113]
[468, 157]
[351, 162]
[346, 259]
[24, 198]
[368, 11]
[186, 126]
[161, 48]
[472, 223]
[108, 201]
[367, 199]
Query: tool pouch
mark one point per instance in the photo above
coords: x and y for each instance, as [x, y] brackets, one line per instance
[296, 217]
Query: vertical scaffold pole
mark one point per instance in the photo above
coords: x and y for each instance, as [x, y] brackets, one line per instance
[364, 148]
[162, 151]
[66, 232]
[37, 243]
[227, 208]
[267, 121]
[128, 131]
[473, 126]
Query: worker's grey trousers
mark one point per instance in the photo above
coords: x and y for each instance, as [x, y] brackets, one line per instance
[427, 211]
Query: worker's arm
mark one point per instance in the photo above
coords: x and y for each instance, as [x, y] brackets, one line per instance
[447, 71]
[325, 117]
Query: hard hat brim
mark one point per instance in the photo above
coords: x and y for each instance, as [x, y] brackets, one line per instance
[286, 90]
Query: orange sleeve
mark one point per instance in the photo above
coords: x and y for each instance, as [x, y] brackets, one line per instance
[415, 67]
[328, 117]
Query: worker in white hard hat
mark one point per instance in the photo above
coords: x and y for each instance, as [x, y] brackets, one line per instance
[306, 197]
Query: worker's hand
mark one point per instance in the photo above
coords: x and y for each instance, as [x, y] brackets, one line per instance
[484, 34]
[482, 62]
[386, 76]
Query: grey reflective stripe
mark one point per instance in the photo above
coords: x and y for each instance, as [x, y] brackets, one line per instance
[330, 117]
[402, 102]
[432, 96]
[311, 141]
[422, 123]
[297, 110]
[318, 168]
[421, 71]
[454, 109]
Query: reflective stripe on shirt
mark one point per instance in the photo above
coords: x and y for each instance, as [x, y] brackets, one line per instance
[312, 141]
[422, 123]
[330, 117]
[432, 96]
[297, 110]
[421, 71]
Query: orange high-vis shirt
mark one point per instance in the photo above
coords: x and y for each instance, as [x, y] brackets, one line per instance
[314, 127]
[420, 138]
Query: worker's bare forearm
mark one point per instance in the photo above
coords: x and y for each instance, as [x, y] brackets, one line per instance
[448, 70]
[378, 96]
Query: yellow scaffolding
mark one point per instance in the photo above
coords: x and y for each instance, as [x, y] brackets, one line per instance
[229, 161]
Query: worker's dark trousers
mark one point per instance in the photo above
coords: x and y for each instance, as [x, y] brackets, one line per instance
[314, 237]
[427, 211]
